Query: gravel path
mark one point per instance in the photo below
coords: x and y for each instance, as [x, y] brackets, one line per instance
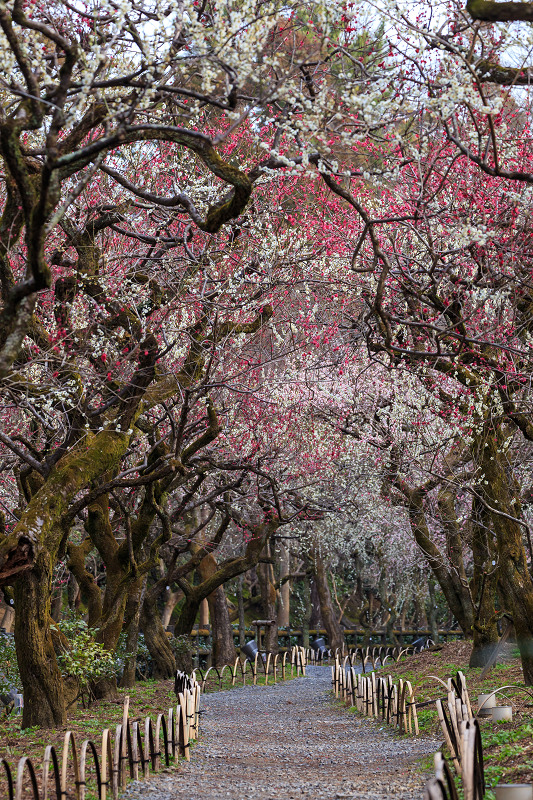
[290, 741]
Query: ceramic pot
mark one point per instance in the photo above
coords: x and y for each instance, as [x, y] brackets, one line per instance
[514, 791]
[502, 713]
[486, 702]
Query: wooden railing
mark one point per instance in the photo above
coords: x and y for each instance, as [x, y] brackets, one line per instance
[200, 637]
[373, 695]
[266, 664]
[395, 703]
[133, 750]
[136, 749]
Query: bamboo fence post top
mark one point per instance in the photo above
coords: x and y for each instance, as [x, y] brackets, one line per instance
[149, 743]
[184, 728]
[9, 779]
[49, 755]
[157, 743]
[125, 711]
[69, 743]
[413, 716]
[267, 667]
[135, 752]
[106, 758]
[117, 762]
[25, 765]
[124, 742]
[464, 693]
[451, 736]
[86, 745]
[172, 731]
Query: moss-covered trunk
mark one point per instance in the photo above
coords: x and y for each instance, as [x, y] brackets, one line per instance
[157, 642]
[451, 580]
[306, 613]
[44, 694]
[221, 630]
[483, 586]
[188, 614]
[171, 601]
[284, 604]
[27, 557]
[132, 621]
[118, 583]
[501, 498]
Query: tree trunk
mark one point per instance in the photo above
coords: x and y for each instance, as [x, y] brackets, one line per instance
[389, 627]
[56, 607]
[84, 580]
[265, 573]
[388, 604]
[31, 548]
[327, 612]
[203, 621]
[221, 631]
[164, 661]
[242, 623]
[116, 588]
[420, 620]
[285, 588]
[171, 602]
[132, 619]
[74, 593]
[483, 587]
[432, 611]
[44, 693]
[315, 620]
[120, 563]
[188, 613]
[224, 573]
[307, 611]
[452, 584]
[511, 556]
[8, 619]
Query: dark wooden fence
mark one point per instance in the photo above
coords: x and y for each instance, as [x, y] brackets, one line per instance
[136, 749]
[289, 637]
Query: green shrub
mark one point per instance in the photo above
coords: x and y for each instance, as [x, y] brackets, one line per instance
[183, 650]
[85, 659]
[144, 659]
[9, 671]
